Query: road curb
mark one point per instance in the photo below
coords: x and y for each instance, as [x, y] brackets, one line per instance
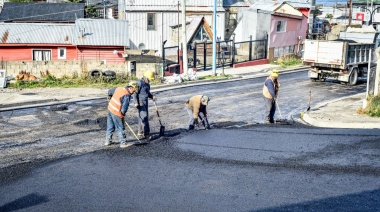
[327, 124]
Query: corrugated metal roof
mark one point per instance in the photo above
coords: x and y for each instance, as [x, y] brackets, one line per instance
[101, 32]
[171, 5]
[192, 27]
[41, 11]
[19, 33]
[237, 3]
[297, 3]
[170, 2]
[267, 6]
[160, 8]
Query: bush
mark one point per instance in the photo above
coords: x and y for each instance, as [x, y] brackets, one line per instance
[373, 107]
[287, 61]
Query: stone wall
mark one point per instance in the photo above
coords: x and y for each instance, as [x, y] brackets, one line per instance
[69, 68]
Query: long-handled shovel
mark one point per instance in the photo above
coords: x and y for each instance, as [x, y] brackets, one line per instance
[279, 110]
[202, 121]
[308, 108]
[162, 128]
[139, 142]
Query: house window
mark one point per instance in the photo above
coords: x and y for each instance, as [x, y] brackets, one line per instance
[62, 53]
[151, 21]
[281, 26]
[41, 55]
[201, 35]
[283, 51]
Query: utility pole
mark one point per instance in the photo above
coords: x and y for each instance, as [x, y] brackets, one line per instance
[178, 25]
[104, 9]
[121, 9]
[350, 13]
[214, 42]
[311, 18]
[377, 75]
[184, 39]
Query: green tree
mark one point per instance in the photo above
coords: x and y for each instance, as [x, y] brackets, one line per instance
[91, 11]
[329, 16]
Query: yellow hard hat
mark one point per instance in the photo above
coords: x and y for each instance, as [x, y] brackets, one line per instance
[132, 84]
[149, 75]
[274, 73]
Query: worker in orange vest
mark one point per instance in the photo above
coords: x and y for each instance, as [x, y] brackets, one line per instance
[119, 99]
[270, 93]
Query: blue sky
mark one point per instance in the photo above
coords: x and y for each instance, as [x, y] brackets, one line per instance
[329, 2]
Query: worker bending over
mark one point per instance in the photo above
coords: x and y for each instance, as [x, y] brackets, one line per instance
[194, 106]
[119, 99]
[270, 93]
[142, 95]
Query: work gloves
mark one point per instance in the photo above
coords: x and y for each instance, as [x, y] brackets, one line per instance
[137, 106]
[196, 122]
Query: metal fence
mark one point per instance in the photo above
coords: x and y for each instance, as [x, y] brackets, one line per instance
[250, 50]
[228, 53]
[170, 55]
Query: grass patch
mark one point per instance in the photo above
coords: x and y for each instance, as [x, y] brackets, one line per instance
[75, 82]
[373, 107]
[221, 76]
[287, 61]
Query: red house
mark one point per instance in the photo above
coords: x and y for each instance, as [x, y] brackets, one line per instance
[87, 39]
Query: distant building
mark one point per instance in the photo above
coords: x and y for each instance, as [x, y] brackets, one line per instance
[41, 12]
[284, 25]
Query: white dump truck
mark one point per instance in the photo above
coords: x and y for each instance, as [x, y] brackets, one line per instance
[345, 59]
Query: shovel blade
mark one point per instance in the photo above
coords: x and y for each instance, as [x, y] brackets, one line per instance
[140, 143]
[162, 130]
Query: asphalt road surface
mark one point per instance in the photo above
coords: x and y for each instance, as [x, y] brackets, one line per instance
[239, 165]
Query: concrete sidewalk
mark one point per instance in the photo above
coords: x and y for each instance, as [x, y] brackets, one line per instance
[340, 113]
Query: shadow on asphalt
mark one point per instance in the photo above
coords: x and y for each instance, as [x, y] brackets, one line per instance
[29, 200]
[363, 201]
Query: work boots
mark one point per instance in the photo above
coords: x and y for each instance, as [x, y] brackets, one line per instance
[191, 127]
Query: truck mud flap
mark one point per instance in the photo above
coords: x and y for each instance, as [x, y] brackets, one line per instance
[313, 75]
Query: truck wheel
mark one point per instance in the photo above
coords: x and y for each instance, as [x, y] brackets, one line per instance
[353, 79]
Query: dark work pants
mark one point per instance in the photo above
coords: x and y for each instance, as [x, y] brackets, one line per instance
[143, 118]
[191, 119]
[270, 109]
[204, 120]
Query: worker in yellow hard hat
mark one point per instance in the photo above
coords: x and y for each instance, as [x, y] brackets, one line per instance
[142, 95]
[119, 99]
[270, 93]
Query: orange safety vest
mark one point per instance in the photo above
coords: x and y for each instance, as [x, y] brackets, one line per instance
[114, 106]
[266, 91]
